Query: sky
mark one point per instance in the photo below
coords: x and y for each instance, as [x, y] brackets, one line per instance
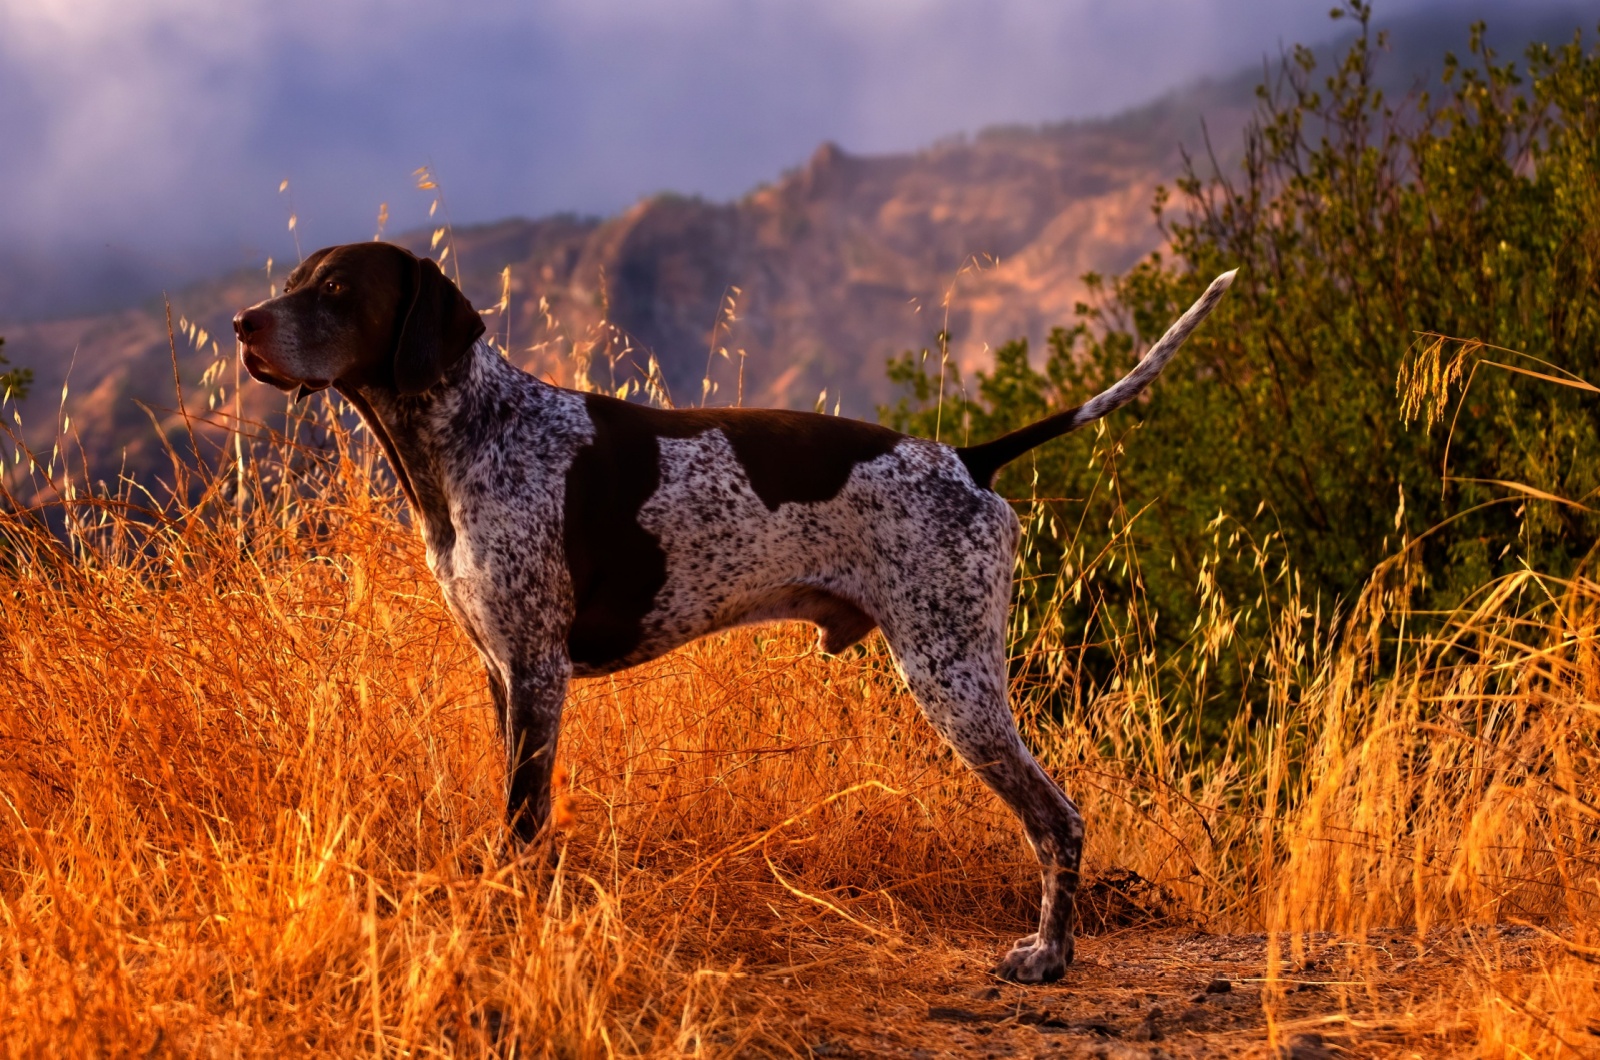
[145, 141]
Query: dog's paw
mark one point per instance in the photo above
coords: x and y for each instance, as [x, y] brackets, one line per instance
[1032, 961]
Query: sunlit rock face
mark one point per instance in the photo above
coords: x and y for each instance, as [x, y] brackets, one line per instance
[831, 269]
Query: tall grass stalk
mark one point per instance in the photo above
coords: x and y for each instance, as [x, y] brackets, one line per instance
[251, 791]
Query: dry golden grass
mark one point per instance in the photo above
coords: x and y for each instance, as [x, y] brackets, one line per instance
[251, 798]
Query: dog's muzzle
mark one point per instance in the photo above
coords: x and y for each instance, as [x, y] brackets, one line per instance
[252, 327]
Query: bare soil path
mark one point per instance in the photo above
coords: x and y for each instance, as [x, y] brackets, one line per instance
[1145, 994]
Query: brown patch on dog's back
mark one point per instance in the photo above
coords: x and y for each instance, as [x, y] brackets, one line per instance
[797, 457]
[618, 567]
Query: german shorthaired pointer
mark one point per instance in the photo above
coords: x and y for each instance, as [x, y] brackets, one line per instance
[575, 534]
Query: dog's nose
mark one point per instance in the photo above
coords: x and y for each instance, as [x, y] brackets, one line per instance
[250, 324]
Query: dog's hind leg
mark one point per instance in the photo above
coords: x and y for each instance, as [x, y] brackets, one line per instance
[948, 636]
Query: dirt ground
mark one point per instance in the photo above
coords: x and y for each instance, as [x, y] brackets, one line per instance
[1150, 994]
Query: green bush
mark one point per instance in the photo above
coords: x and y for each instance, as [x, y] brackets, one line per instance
[1315, 407]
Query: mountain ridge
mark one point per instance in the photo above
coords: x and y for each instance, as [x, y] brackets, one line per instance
[832, 268]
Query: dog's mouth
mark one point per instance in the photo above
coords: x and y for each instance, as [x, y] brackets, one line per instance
[256, 365]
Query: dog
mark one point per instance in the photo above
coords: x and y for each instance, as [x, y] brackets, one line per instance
[574, 534]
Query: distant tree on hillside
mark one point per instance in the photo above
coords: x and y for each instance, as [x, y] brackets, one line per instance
[1359, 226]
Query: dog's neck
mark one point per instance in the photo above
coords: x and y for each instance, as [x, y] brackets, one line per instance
[418, 433]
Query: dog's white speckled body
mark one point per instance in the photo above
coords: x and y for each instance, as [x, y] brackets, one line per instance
[574, 534]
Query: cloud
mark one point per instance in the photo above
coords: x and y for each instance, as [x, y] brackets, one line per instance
[163, 128]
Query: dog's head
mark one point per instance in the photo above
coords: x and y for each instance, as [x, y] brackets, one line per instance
[362, 314]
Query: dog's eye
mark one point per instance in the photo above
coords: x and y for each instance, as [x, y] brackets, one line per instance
[334, 287]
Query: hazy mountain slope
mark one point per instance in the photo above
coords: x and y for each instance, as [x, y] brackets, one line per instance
[847, 260]
[841, 263]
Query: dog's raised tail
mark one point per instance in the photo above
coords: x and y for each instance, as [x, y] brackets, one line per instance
[983, 461]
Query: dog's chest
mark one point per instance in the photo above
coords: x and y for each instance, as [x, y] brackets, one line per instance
[502, 568]
[504, 575]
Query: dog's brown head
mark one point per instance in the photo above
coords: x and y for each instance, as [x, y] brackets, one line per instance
[362, 314]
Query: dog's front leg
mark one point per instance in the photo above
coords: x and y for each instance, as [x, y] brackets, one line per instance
[533, 694]
[497, 692]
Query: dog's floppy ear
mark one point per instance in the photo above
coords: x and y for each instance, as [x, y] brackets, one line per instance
[439, 329]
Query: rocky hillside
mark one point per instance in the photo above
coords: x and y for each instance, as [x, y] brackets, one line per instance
[845, 261]
[838, 265]
[832, 268]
